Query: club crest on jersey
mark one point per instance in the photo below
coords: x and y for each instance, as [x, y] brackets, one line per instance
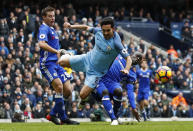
[42, 36]
[108, 48]
[124, 51]
[55, 74]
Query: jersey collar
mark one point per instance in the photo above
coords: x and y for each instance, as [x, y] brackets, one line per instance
[47, 25]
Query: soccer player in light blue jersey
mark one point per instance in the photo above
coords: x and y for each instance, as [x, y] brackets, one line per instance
[109, 87]
[144, 77]
[53, 72]
[97, 62]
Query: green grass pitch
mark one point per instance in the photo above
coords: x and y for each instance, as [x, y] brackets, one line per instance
[100, 126]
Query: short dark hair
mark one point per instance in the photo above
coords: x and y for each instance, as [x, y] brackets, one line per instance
[47, 9]
[107, 21]
[137, 58]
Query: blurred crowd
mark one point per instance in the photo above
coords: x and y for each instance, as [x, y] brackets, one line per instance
[24, 93]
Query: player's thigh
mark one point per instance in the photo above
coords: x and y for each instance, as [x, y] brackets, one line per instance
[101, 89]
[62, 74]
[65, 79]
[57, 85]
[146, 96]
[50, 73]
[140, 97]
[77, 63]
[92, 80]
[85, 91]
[67, 89]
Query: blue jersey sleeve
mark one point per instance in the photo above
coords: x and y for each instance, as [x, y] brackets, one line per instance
[43, 34]
[119, 46]
[94, 29]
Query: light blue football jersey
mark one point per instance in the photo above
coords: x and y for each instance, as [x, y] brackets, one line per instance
[104, 51]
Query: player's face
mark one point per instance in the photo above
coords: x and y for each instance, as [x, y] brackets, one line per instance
[144, 65]
[49, 19]
[107, 31]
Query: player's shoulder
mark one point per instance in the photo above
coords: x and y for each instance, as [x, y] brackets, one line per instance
[44, 27]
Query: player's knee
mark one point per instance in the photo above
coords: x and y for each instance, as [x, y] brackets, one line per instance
[145, 103]
[105, 92]
[59, 88]
[118, 92]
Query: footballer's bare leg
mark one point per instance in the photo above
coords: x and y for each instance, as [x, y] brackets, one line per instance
[67, 89]
[85, 91]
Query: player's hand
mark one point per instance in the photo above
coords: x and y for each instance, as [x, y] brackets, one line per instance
[66, 25]
[125, 72]
[60, 53]
[136, 114]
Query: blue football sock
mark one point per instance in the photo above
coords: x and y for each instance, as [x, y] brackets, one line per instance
[108, 107]
[144, 115]
[59, 107]
[148, 112]
[117, 105]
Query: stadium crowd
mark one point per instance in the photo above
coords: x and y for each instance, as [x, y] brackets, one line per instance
[24, 93]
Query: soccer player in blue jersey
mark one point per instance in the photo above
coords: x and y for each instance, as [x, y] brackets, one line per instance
[109, 87]
[144, 77]
[53, 72]
[97, 61]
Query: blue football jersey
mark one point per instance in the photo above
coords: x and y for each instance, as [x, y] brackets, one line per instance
[49, 35]
[144, 77]
[104, 51]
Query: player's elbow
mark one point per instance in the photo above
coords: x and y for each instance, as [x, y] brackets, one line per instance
[40, 44]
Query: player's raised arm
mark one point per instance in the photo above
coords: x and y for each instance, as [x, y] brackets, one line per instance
[79, 27]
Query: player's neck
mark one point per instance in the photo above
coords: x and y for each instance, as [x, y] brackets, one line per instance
[143, 69]
[47, 25]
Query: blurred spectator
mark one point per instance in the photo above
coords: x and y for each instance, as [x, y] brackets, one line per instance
[124, 110]
[4, 28]
[191, 111]
[97, 114]
[28, 113]
[155, 112]
[8, 111]
[179, 100]
[18, 114]
[87, 110]
[165, 112]
[172, 51]
[38, 111]
[2, 111]
[174, 111]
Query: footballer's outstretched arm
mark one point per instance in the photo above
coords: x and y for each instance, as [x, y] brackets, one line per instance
[80, 27]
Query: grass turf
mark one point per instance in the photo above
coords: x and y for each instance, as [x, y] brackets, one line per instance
[100, 126]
